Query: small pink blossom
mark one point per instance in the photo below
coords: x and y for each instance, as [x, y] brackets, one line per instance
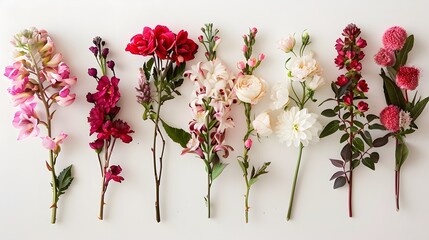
[361, 43]
[407, 77]
[362, 106]
[252, 62]
[26, 119]
[53, 143]
[241, 65]
[389, 117]
[64, 97]
[384, 57]
[244, 49]
[261, 57]
[55, 60]
[394, 38]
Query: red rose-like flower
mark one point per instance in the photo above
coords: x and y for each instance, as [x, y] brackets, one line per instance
[121, 129]
[389, 117]
[407, 78]
[394, 38]
[342, 80]
[362, 86]
[142, 44]
[362, 106]
[165, 40]
[95, 119]
[348, 100]
[185, 48]
[108, 93]
[384, 57]
[113, 174]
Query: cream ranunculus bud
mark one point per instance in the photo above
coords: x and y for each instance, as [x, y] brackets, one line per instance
[250, 89]
[314, 82]
[287, 44]
[262, 124]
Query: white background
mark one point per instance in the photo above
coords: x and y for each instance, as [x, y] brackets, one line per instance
[320, 212]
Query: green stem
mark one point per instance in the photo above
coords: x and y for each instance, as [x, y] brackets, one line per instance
[248, 109]
[157, 178]
[289, 213]
[209, 157]
[246, 200]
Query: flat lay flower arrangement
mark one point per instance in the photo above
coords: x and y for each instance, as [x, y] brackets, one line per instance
[41, 83]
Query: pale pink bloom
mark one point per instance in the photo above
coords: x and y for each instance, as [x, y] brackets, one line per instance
[26, 119]
[287, 44]
[217, 42]
[16, 71]
[55, 60]
[405, 119]
[394, 38]
[64, 72]
[64, 97]
[384, 57]
[252, 62]
[49, 48]
[193, 146]
[241, 65]
[21, 98]
[244, 49]
[223, 115]
[53, 144]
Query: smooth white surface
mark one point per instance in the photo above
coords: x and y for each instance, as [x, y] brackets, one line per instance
[319, 213]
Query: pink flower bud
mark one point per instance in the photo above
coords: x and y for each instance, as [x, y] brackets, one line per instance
[254, 31]
[252, 62]
[200, 38]
[261, 57]
[248, 143]
[241, 65]
[244, 49]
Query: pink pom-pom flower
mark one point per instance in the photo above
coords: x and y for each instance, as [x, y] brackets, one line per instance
[407, 77]
[389, 117]
[394, 38]
[384, 58]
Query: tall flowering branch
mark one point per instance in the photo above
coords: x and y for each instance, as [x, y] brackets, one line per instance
[398, 79]
[249, 90]
[39, 76]
[102, 118]
[296, 125]
[352, 119]
[211, 103]
[159, 80]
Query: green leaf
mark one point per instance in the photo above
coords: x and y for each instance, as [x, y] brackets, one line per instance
[330, 128]
[343, 89]
[358, 143]
[217, 170]
[243, 168]
[379, 142]
[392, 91]
[375, 157]
[344, 137]
[366, 136]
[355, 163]
[329, 113]
[177, 135]
[401, 58]
[253, 181]
[262, 170]
[371, 117]
[64, 180]
[147, 67]
[339, 182]
[376, 126]
[401, 155]
[368, 162]
[418, 108]
[166, 98]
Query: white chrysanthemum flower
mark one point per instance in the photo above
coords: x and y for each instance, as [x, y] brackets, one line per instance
[280, 95]
[298, 126]
[404, 119]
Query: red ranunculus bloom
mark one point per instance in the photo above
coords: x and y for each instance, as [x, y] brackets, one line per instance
[121, 129]
[142, 44]
[185, 48]
[165, 40]
[362, 86]
[362, 106]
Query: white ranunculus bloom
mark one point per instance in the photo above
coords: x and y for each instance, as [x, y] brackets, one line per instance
[314, 82]
[250, 89]
[262, 124]
[279, 95]
[304, 67]
[298, 126]
[287, 44]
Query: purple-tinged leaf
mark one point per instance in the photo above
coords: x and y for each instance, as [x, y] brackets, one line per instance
[337, 163]
[339, 182]
[379, 142]
[336, 175]
[346, 153]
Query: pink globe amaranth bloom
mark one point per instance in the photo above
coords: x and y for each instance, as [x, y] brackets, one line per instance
[362, 106]
[113, 174]
[389, 117]
[407, 77]
[394, 38]
[26, 119]
[384, 57]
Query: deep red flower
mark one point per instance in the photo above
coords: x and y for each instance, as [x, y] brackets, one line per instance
[362, 86]
[361, 43]
[342, 80]
[96, 119]
[348, 100]
[113, 174]
[142, 44]
[121, 129]
[355, 65]
[351, 31]
[339, 45]
[185, 48]
[108, 93]
[407, 77]
[389, 117]
[165, 41]
[97, 144]
[106, 130]
[384, 57]
[339, 61]
[362, 106]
